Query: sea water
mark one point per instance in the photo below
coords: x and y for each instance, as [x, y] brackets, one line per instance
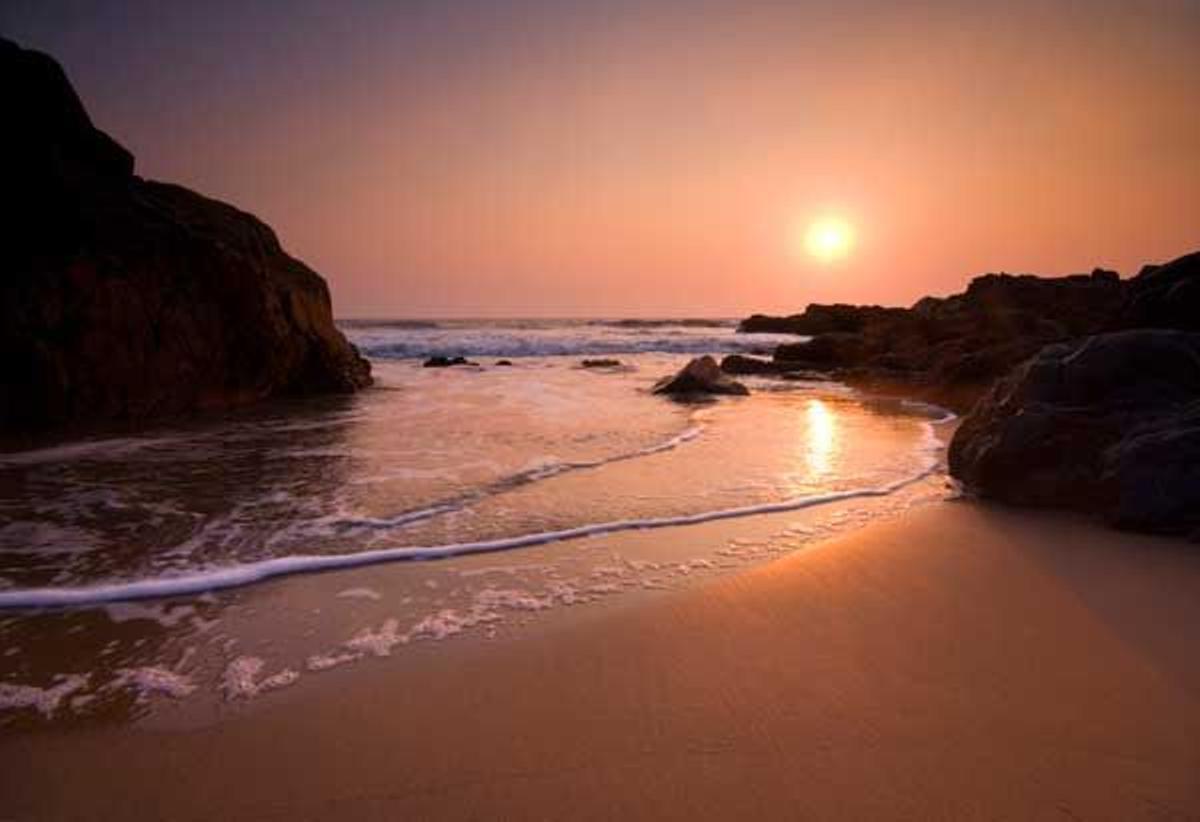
[536, 484]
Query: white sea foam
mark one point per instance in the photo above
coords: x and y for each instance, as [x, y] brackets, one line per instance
[396, 520]
[45, 701]
[555, 338]
[324, 662]
[551, 467]
[377, 643]
[280, 679]
[492, 599]
[538, 470]
[192, 582]
[445, 623]
[250, 573]
[241, 679]
[154, 681]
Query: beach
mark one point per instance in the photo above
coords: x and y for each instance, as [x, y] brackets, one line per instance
[592, 411]
[954, 662]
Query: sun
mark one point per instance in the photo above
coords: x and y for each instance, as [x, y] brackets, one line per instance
[828, 239]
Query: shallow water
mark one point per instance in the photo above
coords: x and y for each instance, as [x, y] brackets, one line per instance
[570, 479]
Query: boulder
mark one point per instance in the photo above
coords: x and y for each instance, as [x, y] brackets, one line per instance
[126, 300]
[602, 362]
[700, 376]
[504, 362]
[1108, 424]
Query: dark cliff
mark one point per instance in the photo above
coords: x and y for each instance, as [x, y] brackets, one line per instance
[123, 299]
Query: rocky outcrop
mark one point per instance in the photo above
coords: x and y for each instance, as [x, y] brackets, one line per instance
[1084, 390]
[124, 299]
[700, 376]
[1165, 296]
[1108, 424]
[766, 324]
[953, 347]
[821, 319]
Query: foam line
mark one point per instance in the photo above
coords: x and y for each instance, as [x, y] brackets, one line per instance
[248, 574]
[514, 480]
[584, 341]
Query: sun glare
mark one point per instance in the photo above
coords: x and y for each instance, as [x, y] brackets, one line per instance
[828, 239]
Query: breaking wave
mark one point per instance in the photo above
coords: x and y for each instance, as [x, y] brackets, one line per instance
[544, 338]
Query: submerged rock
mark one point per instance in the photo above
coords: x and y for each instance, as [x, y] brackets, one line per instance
[700, 376]
[602, 362]
[503, 362]
[1108, 424]
[446, 362]
[125, 299]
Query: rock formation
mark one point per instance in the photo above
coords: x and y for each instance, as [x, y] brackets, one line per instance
[1084, 391]
[1108, 424]
[952, 348]
[821, 319]
[1165, 296]
[700, 376]
[124, 299]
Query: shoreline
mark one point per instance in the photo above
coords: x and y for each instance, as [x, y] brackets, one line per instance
[955, 660]
[247, 575]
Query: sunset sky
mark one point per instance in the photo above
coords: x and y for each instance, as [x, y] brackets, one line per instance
[551, 157]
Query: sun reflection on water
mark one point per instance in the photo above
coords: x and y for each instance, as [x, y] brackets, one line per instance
[820, 442]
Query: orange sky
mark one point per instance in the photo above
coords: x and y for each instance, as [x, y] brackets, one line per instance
[618, 158]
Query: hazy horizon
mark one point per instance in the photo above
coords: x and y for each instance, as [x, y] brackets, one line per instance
[661, 159]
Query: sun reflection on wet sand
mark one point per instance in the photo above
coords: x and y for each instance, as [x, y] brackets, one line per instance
[820, 442]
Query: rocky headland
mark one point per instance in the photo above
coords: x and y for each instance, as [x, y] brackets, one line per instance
[1079, 392]
[125, 300]
[949, 349]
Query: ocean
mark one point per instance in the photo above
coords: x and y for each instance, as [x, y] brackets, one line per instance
[533, 485]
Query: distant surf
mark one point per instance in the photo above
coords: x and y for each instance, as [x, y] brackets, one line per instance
[403, 339]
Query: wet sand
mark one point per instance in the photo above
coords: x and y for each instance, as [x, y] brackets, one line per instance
[958, 662]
